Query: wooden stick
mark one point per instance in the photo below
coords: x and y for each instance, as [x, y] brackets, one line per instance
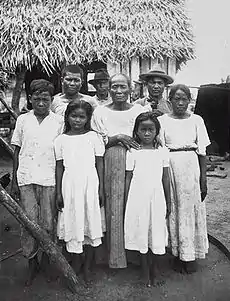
[217, 174]
[42, 237]
[11, 255]
[7, 147]
[11, 111]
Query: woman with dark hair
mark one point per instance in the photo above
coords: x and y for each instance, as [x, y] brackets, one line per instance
[115, 121]
[186, 137]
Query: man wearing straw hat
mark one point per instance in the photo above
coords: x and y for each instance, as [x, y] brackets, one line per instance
[101, 84]
[156, 80]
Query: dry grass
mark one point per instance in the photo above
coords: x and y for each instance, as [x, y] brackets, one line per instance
[58, 31]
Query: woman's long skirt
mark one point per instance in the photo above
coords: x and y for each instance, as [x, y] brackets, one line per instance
[187, 221]
[115, 162]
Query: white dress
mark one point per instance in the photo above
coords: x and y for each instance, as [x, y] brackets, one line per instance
[187, 221]
[108, 123]
[80, 221]
[145, 223]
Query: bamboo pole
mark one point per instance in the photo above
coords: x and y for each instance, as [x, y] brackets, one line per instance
[42, 237]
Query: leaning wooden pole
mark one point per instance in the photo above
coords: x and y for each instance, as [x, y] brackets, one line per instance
[7, 147]
[42, 237]
[11, 111]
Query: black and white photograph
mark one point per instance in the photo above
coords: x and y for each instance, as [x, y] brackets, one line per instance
[114, 150]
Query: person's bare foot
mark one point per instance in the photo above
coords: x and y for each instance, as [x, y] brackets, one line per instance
[153, 274]
[190, 267]
[145, 270]
[87, 276]
[145, 278]
[178, 265]
[76, 263]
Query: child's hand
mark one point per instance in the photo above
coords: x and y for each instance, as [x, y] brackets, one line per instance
[15, 192]
[59, 202]
[168, 211]
[101, 196]
[203, 188]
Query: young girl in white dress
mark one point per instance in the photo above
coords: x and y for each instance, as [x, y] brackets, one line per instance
[79, 184]
[147, 192]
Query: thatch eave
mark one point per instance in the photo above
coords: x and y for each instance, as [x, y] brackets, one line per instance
[108, 30]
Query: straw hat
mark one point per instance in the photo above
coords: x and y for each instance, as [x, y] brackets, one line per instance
[157, 73]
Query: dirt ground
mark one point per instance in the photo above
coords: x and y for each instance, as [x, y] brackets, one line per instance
[218, 207]
[210, 282]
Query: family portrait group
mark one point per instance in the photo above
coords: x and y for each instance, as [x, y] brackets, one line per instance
[108, 173]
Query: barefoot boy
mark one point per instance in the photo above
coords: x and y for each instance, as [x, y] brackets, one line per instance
[33, 182]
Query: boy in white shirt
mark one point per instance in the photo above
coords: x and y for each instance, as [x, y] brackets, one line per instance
[33, 183]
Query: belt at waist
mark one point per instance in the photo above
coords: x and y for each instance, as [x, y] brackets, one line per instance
[183, 149]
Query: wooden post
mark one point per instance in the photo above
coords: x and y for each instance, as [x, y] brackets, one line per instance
[144, 65]
[113, 68]
[12, 113]
[144, 68]
[125, 68]
[172, 67]
[153, 63]
[20, 77]
[135, 68]
[42, 237]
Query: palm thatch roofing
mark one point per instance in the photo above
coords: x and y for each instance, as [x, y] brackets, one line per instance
[53, 31]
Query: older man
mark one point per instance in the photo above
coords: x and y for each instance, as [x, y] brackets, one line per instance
[156, 81]
[72, 78]
[101, 84]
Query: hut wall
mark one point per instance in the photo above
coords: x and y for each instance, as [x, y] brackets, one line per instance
[137, 65]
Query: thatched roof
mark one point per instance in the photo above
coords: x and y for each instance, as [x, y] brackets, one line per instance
[53, 31]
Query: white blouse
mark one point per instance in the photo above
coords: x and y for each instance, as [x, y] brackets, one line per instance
[109, 122]
[184, 133]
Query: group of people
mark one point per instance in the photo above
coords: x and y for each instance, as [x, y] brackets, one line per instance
[142, 164]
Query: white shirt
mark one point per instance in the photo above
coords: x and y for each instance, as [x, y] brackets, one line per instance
[60, 102]
[36, 156]
[184, 133]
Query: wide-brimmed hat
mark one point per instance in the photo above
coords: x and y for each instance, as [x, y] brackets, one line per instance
[100, 74]
[157, 73]
[138, 81]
